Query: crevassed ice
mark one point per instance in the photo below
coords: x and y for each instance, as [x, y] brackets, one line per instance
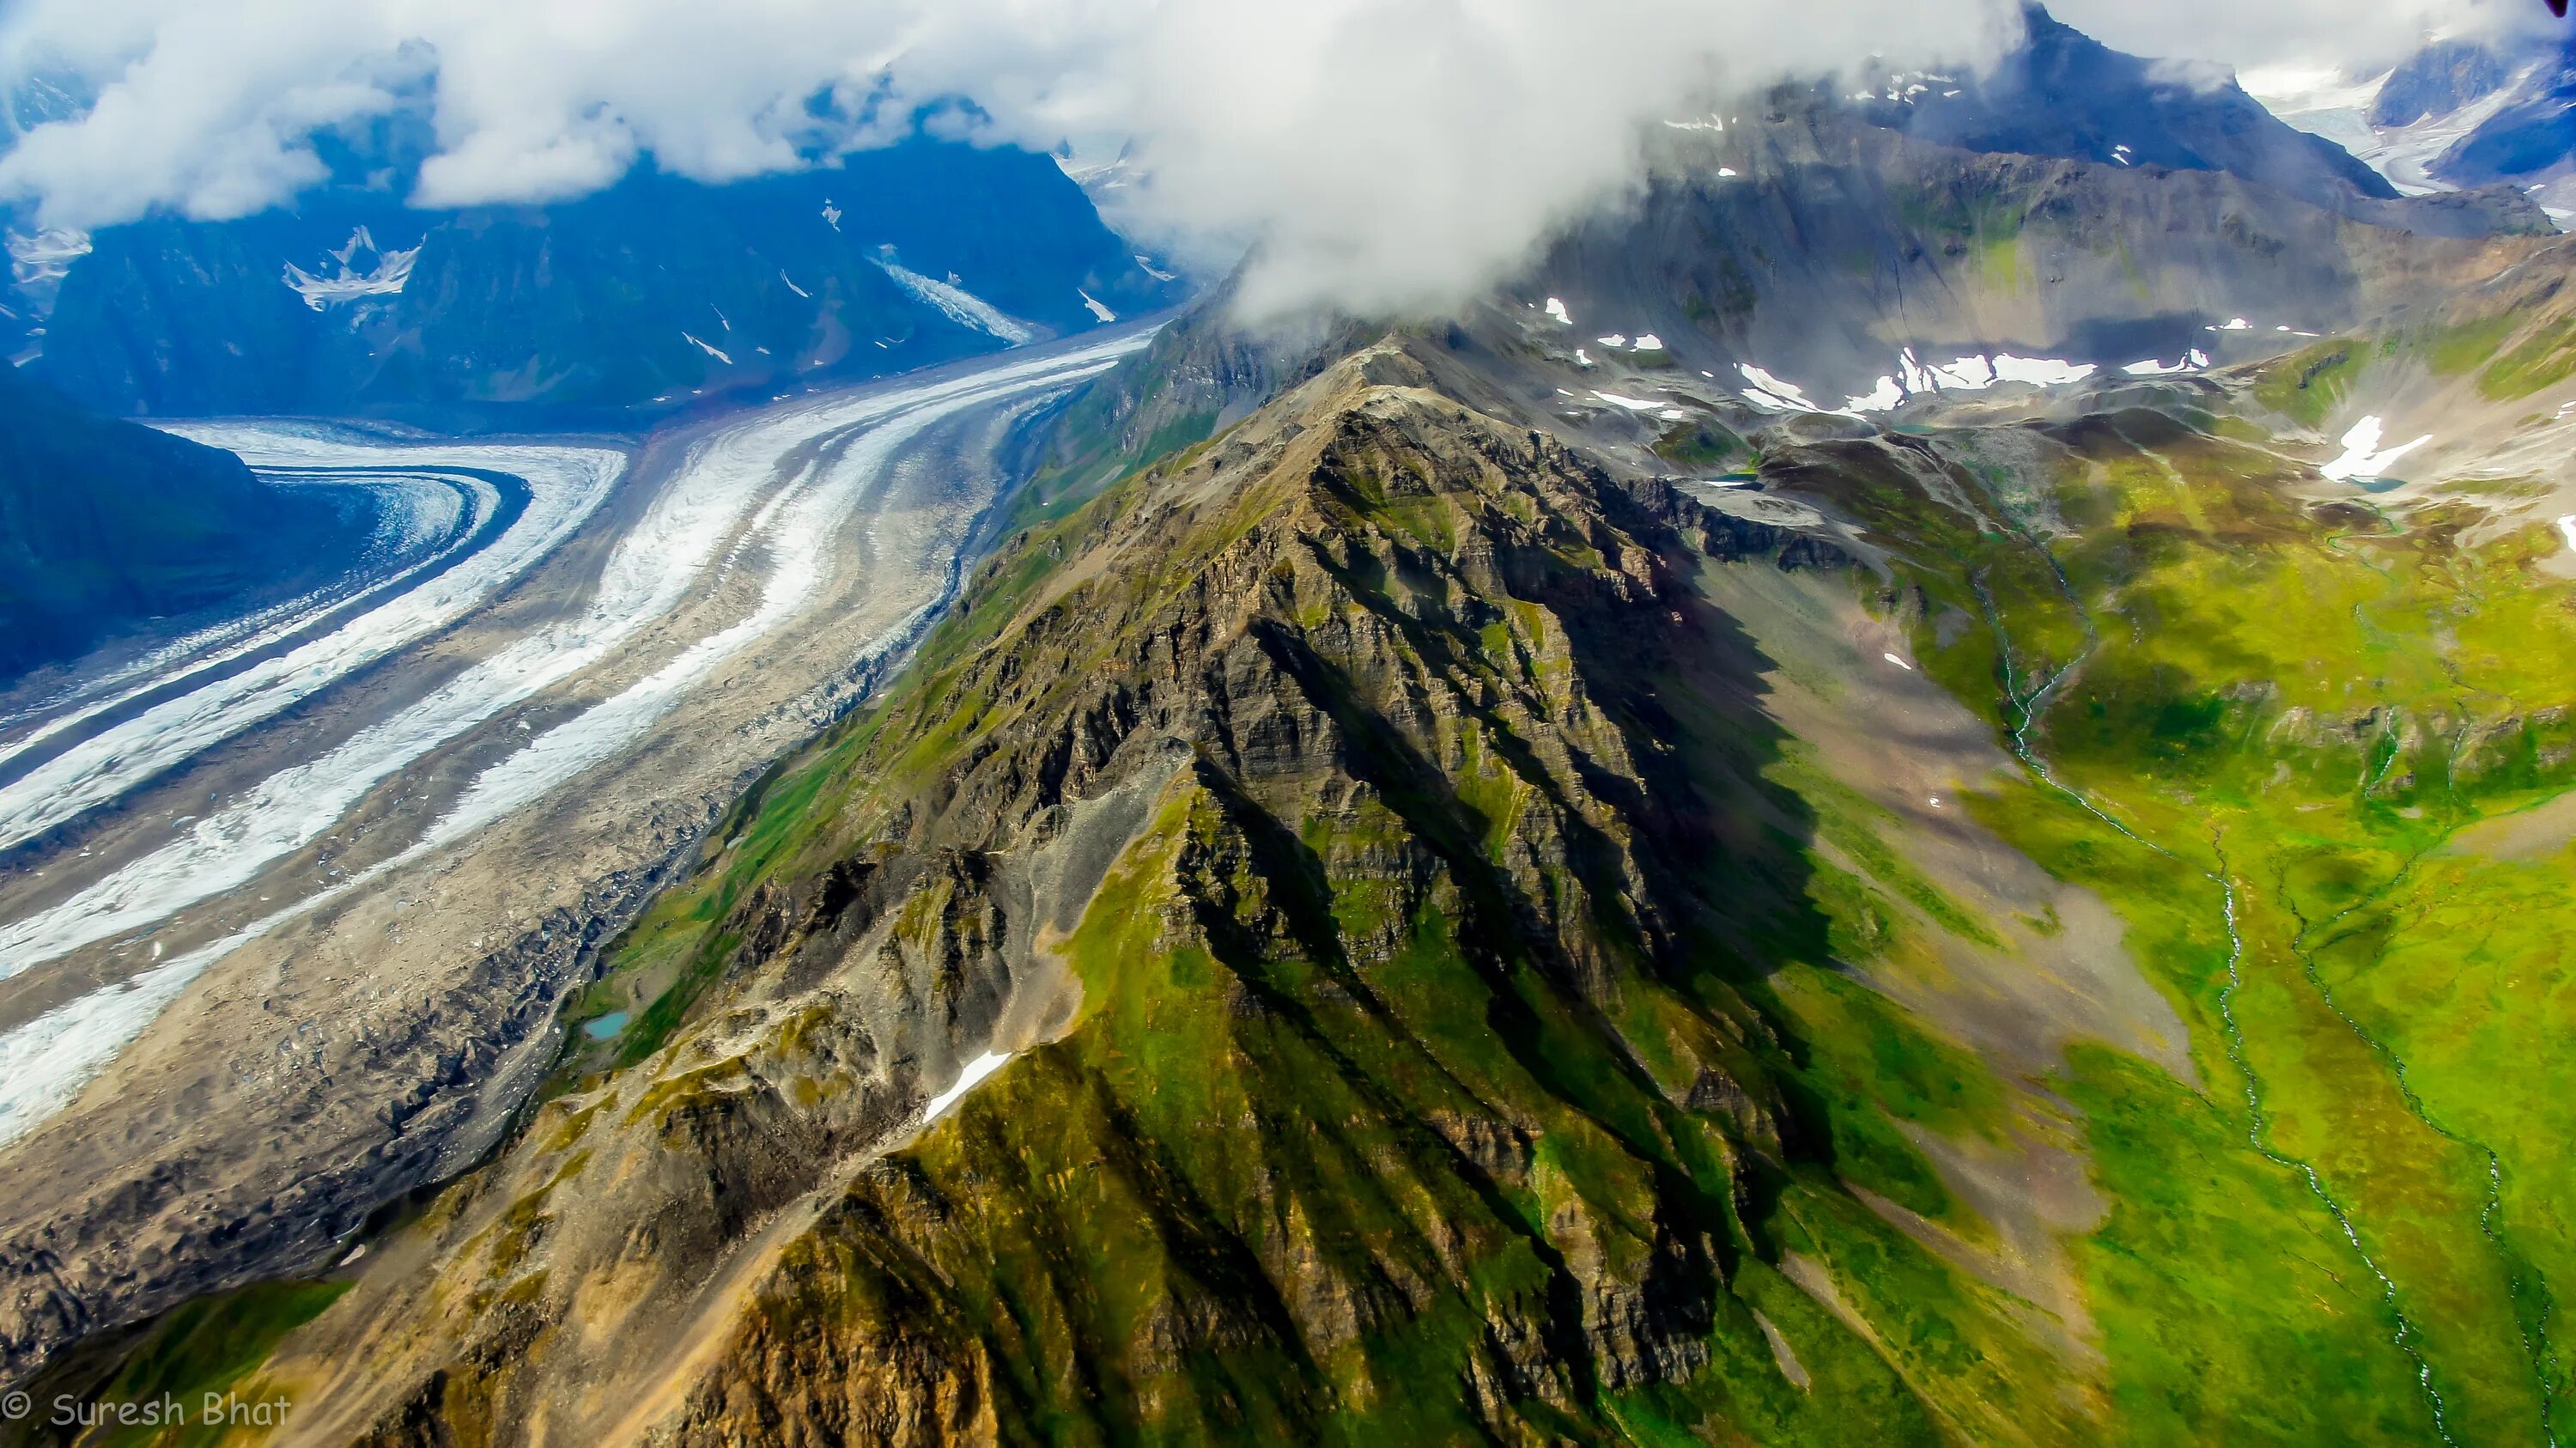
[43, 1063]
[565, 486]
[427, 508]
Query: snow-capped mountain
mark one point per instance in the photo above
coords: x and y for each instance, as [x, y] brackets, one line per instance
[2062, 93]
[2457, 114]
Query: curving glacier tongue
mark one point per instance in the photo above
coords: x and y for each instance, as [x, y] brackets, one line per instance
[727, 498]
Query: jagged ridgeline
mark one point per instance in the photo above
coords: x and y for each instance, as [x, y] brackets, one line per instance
[1312, 813]
[1418, 915]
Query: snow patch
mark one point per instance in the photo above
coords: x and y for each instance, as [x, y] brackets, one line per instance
[1900, 663]
[2192, 361]
[1556, 309]
[1097, 310]
[831, 214]
[1631, 403]
[2040, 371]
[390, 271]
[967, 1080]
[1649, 342]
[1772, 394]
[1885, 397]
[791, 285]
[39, 259]
[2362, 457]
[1916, 378]
[717, 353]
[960, 305]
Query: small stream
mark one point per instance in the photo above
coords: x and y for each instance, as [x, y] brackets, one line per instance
[2027, 709]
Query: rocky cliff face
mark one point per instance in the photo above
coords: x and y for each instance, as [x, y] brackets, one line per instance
[1818, 249]
[1308, 823]
[1413, 932]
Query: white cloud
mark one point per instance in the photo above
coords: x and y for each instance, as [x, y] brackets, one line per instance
[2361, 36]
[1385, 154]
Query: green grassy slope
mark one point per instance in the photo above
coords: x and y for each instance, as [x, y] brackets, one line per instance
[2262, 729]
[1530, 1008]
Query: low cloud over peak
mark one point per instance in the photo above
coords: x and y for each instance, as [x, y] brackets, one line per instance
[1385, 154]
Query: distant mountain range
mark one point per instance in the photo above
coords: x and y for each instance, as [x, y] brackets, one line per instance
[658, 290]
[2062, 93]
[2457, 114]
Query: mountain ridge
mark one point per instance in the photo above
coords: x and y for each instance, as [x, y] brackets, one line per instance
[108, 529]
[654, 294]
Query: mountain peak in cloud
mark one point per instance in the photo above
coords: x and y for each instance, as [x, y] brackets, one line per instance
[1388, 155]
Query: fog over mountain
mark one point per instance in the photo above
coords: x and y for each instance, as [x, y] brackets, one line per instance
[2320, 34]
[1384, 153]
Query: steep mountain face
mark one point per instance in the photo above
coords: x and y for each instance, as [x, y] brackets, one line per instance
[2437, 80]
[2062, 93]
[1309, 819]
[1568, 876]
[106, 526]
[1406, 930]
[657, 290]
[1196, 379]
[2457, 115]
[2529, 138]
[1823, 253]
